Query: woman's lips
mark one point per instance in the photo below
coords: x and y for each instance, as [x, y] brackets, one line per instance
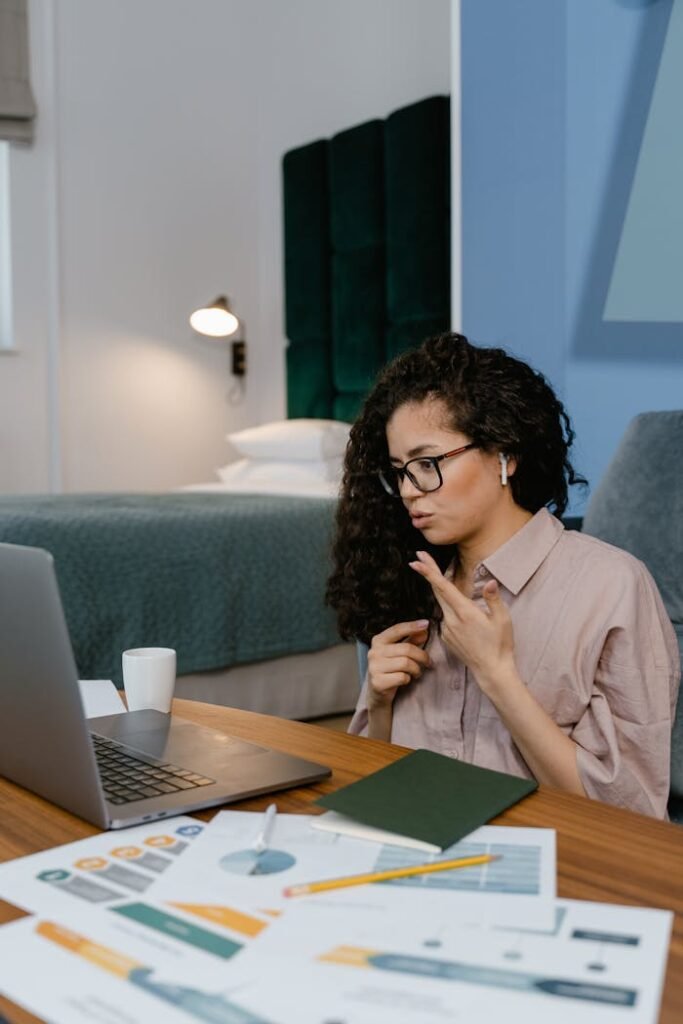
[419, 520]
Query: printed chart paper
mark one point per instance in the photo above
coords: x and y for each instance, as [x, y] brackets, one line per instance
[97, 967]
[518, 887]
[98, 871]
[226, 865]
[599, 964]
[100, 697]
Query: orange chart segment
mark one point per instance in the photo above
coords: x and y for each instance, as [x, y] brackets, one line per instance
[351, 956]
[226, 917]
[104, 957]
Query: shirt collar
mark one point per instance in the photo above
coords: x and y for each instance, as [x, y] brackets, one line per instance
[517, 560]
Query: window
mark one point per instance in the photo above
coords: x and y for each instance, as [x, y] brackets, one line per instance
[5, 268]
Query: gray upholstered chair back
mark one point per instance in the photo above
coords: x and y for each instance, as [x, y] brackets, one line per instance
[638, 506]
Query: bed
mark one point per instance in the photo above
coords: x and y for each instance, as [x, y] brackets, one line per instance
[232, 573]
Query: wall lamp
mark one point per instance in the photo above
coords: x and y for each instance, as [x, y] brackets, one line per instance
[217, 320]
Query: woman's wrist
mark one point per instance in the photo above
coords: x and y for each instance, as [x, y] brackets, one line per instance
[501, 682]
[380, 718]
[379, 701]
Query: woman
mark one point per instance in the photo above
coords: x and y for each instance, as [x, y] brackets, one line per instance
[496, 636]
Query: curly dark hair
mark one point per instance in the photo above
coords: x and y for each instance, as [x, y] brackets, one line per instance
[502, 405]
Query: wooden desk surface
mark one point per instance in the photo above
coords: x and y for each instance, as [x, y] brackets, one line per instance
[602, 853]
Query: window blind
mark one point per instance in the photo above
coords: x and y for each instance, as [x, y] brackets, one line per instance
[17, 107]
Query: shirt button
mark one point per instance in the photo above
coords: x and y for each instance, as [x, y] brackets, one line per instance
[481, 572]
[451, 753]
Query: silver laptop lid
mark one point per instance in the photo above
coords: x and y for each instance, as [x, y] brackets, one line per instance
[45, 742]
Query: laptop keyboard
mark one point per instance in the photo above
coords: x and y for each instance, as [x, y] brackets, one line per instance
[128, 775]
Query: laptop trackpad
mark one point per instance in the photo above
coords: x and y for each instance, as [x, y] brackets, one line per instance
[173, 739]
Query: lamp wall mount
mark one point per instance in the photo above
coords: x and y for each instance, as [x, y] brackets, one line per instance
[238, 350]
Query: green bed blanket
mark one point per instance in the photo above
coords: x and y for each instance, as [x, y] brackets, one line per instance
[223, 578]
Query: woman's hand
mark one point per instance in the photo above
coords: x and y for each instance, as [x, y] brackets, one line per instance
[482, 641]
[395, 659]
[485, 643]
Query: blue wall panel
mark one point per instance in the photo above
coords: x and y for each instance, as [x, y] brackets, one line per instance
[513, 177]
[556, 99]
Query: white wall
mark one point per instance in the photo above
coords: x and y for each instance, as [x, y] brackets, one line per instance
[154, 185]
[26, 390]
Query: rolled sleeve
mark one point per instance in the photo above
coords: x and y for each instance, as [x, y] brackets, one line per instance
[624, 735]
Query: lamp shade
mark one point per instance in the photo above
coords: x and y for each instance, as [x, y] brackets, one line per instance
[217, 320]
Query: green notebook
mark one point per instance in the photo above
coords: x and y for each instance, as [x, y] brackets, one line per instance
[430, 797]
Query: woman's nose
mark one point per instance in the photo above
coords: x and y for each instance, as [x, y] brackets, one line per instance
[407, 488]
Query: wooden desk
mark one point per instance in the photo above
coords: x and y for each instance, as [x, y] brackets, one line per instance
[602, 853]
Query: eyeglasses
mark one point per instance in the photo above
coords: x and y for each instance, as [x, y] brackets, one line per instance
[423, 472]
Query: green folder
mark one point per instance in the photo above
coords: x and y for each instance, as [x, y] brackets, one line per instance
[430, 797]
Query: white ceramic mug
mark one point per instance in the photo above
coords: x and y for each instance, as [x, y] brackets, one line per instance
[149, 677]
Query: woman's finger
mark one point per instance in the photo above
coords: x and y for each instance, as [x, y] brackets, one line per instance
[393, 679]
[382, 665]
[445, 592]
[399, 631]
[405, 650]
[494, 601]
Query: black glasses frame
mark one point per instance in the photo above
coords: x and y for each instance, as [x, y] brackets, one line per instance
[403, 471]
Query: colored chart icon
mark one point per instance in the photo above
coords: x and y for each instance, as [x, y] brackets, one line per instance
[54, 875]
[160, 841]
[249, 862]
[190, 830]
[91, 863]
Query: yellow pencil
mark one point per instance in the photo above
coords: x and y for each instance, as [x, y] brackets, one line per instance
[385, 876]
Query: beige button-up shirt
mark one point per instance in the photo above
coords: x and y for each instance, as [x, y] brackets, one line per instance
[595, 647]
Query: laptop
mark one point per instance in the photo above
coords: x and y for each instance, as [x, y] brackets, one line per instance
[118, 770]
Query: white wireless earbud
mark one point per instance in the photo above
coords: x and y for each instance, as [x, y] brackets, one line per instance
[503, 469]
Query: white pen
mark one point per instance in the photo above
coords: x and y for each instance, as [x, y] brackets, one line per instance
[262, 839]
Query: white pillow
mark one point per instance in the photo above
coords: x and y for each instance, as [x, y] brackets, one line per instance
[295, 471]
[304, 439]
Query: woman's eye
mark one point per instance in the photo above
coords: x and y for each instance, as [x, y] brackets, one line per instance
[424, 464]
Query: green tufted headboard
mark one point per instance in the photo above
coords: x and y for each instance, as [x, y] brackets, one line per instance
[367, 253]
